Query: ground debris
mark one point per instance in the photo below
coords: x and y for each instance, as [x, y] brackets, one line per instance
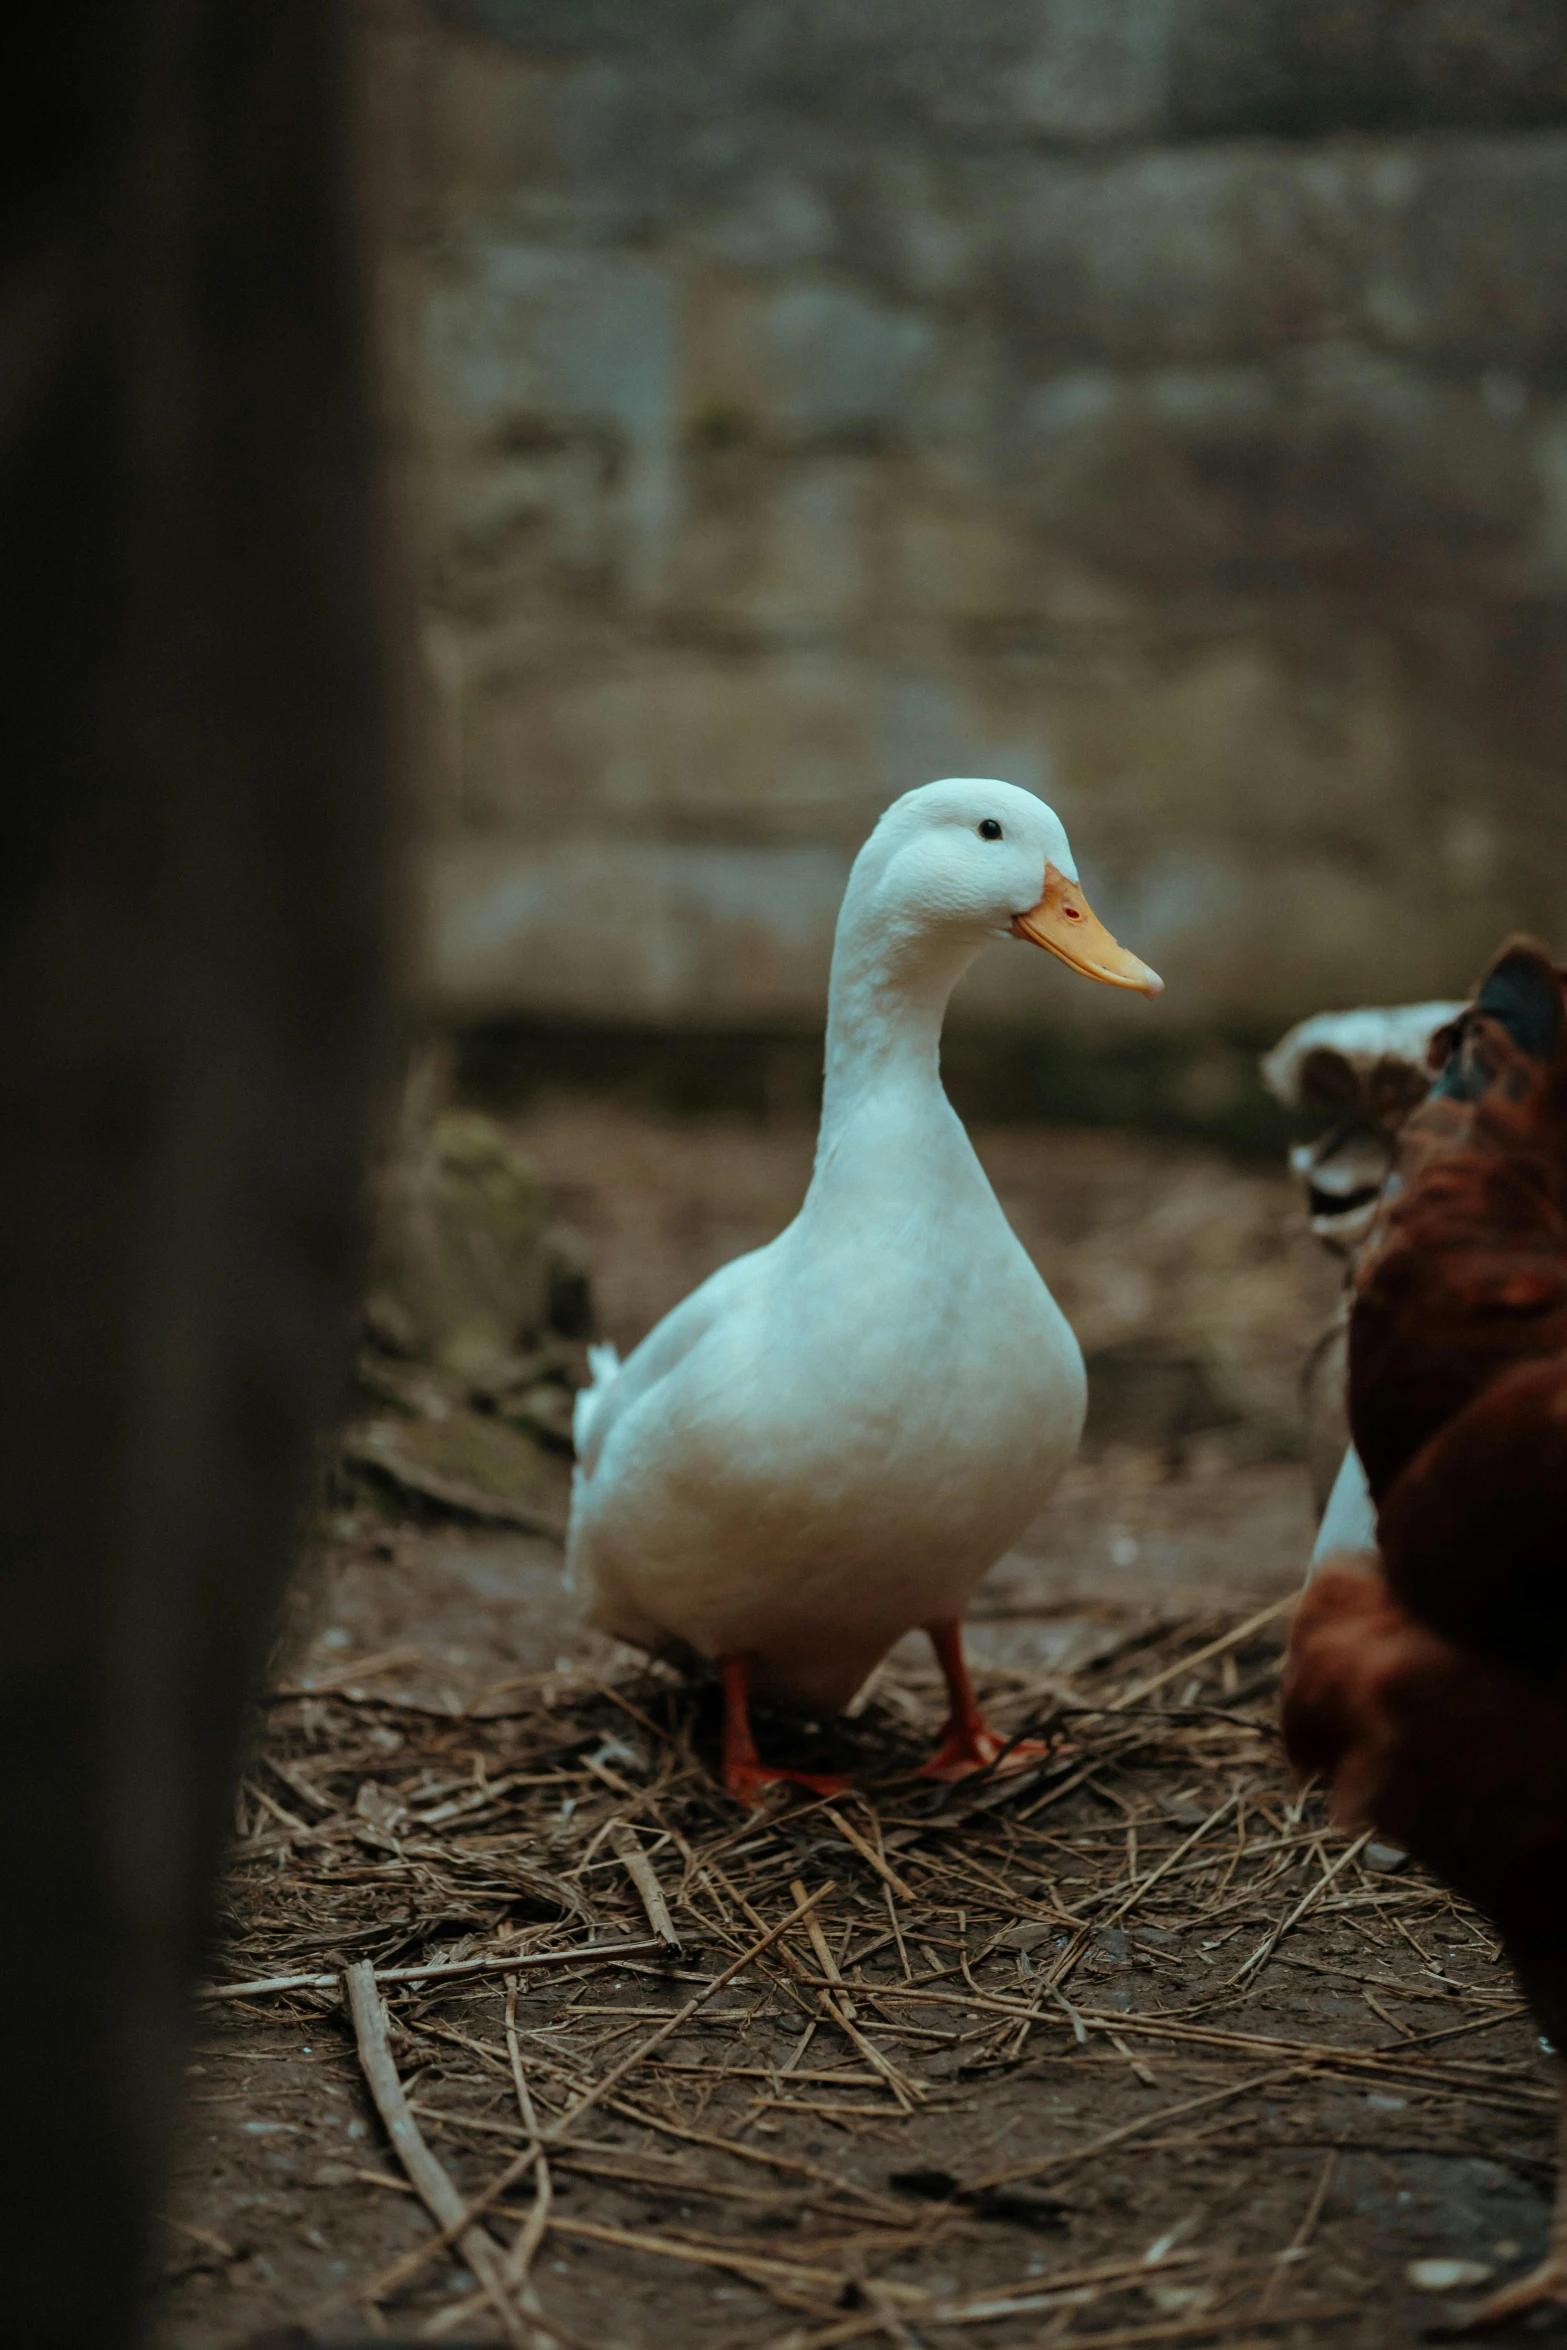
[1071, 2046]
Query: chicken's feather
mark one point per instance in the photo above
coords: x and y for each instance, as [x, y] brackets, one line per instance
[1466, 1271]
[1453, 1757]
[1427, 1679]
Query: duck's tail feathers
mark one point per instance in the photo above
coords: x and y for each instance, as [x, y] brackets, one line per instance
[603, 1370]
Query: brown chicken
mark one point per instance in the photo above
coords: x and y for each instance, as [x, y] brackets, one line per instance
[1428, 1679]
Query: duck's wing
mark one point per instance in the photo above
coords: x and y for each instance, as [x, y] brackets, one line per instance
[603, 1371]
[665, 1347]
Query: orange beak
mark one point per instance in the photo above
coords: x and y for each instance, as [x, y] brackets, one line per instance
[1065, 924]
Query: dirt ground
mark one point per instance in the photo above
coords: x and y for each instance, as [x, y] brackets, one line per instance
[1130, 2048]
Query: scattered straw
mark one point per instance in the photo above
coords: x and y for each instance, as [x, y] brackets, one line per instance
[729, 2036]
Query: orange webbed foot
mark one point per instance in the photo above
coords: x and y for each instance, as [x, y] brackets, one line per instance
[751, 1782]
[967, 1747]
[746, 1777]
[968, 1743]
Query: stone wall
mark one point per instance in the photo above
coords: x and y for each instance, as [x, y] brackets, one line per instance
[1159, 403]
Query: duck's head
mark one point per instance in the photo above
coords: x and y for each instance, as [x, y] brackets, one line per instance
[982, 859]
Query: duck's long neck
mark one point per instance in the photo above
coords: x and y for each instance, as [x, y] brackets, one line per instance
[885, 1007]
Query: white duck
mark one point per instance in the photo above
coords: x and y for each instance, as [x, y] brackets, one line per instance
[834, 1438]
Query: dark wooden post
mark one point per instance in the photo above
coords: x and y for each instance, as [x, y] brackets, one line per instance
[193, 890]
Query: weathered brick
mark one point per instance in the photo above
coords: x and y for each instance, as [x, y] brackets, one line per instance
[1470, 265]
[820, 395]
[1179, 254]
[1305, 68]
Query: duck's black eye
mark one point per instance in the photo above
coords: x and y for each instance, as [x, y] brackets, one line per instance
[989, 829]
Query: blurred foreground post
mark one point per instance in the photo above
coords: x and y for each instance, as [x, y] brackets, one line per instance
[193, 880]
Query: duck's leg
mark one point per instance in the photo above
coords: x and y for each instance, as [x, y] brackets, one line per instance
[1546, 2285]
[746, 1776]
[968, 1743]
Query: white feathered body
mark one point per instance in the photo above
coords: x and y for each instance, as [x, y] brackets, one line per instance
[834, 1438]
